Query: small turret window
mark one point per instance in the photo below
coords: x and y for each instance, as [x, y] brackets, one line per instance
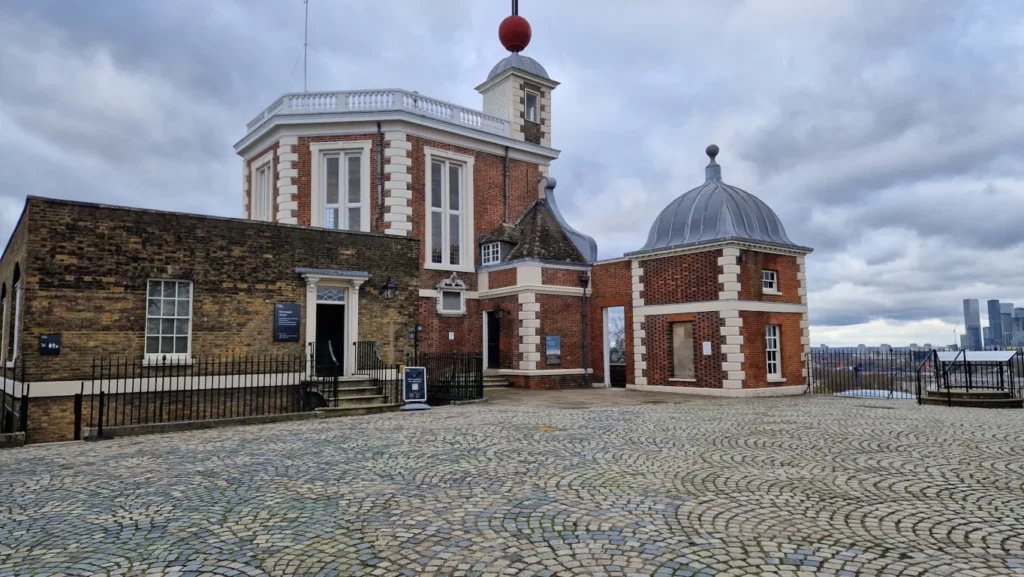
[531, 107]
[770, 281]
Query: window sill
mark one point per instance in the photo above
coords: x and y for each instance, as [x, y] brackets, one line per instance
[677, 380]
[448, 267]
[9, 364]
[452, 313]
[169, 361]
[776, 380]
[771, 292]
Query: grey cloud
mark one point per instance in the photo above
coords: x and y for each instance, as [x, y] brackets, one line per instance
[865, 124]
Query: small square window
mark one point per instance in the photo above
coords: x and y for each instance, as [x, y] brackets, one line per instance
[770, 280]
[531, 107]
[490, 253]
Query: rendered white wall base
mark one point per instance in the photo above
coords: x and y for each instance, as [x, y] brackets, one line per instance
[734, 393]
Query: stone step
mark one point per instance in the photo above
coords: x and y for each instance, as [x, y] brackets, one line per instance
[971, 394]
[983, 403]
[350, 391]
[331, 412]
[355, 401]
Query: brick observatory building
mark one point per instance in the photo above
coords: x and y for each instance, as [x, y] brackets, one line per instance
[343, 191]
[716, 301]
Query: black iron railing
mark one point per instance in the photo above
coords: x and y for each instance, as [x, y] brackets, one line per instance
[131, 391]
[871, 373]
[14, 399]
[452, 377]
[964, 374]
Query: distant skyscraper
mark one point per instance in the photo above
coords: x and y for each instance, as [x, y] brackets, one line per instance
[995, 324]
[972, 324]
[1006, 317]
[988, 336]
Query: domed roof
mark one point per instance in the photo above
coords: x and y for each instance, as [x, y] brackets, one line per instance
[716, 212]
[520, 62]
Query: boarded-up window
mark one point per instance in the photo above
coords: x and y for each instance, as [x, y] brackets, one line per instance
[682, 351]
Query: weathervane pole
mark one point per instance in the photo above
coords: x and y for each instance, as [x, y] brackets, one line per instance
[305, 46]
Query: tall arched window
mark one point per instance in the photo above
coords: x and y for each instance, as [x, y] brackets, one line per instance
[14, 321]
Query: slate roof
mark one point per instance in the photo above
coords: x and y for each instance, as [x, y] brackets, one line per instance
[542, 237]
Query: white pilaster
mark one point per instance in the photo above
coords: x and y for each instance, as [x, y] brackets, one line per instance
[732, 324]
[245, 189]
[729, 274]
[529, 326]
[639, 334]
[396, 187]
[805, 334]
[286, 188]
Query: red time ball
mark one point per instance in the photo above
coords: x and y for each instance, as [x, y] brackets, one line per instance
[515, 33]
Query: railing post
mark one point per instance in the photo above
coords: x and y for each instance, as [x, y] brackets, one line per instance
[99, 425]
[78, 417]
[24, 405]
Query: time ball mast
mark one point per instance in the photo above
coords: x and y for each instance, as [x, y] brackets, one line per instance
[514, 31]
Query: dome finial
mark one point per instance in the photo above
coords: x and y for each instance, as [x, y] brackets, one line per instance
[713, 170]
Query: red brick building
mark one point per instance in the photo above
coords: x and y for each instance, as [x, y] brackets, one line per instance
[715, 301]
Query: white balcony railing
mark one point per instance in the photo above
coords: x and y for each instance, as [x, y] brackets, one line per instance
[382, 101]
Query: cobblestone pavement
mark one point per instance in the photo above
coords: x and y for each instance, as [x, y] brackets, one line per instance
[798, 486]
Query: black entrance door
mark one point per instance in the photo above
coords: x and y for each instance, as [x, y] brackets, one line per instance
[330, 340]
[493, 340]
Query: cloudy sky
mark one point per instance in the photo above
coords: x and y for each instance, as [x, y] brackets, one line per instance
[887, 135]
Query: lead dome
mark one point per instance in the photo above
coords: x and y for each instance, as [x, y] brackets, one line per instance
[715, 212]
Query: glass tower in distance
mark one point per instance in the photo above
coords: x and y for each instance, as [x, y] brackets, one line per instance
[972, 325]
[995, 324]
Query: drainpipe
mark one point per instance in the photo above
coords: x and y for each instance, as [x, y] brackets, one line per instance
[380, 178]
[504, 176]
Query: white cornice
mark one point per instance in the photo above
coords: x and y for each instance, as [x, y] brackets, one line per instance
[545, 289]
[718, 246]
[718, 306]
[546, 82]
[314, 125]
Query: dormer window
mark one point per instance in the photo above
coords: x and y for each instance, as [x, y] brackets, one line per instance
[490, 253]
[532, 107]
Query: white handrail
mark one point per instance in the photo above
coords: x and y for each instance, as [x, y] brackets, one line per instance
[379, 101]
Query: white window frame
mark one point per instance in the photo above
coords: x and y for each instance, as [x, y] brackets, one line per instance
[16, 319]
[466, 235]
[536, 108]
[4, 303]
[321, 150]
[770, 281]
[490, 253]
[448, 312]
[773, 352]
[158, 357]
[261, 199]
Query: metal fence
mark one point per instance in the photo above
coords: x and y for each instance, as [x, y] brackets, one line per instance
[451, 376]
[890, 374]
[907, 374]
[131, 391]
[963, 374]
[14, 399]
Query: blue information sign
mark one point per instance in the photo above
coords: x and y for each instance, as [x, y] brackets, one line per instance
[286, 322]
[414, 381]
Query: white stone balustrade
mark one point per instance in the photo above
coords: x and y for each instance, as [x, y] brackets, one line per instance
[383, 101]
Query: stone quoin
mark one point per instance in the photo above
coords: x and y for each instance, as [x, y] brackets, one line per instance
[345, 190]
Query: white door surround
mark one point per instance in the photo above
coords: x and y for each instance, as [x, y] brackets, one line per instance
[349, 280]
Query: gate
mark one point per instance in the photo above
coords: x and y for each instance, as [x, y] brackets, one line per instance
[14, 399]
